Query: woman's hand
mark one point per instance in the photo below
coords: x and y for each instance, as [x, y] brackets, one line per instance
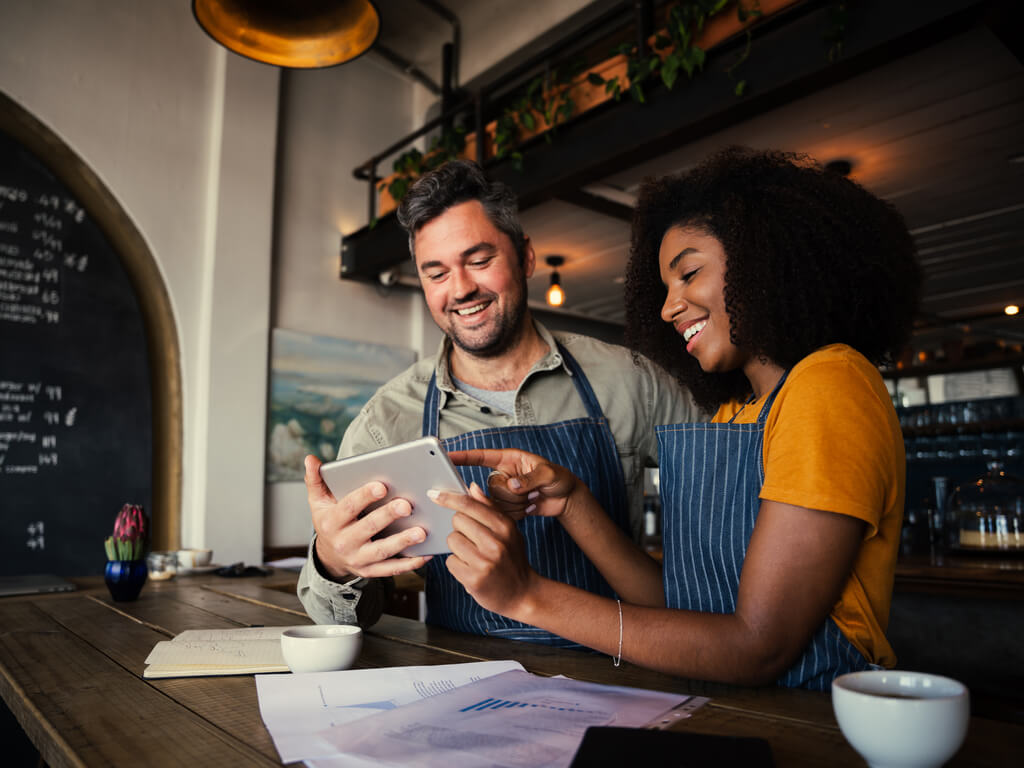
[488, 554]
[522, 483]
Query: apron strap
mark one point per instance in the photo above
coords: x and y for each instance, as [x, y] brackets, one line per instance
[762, 417]
[432, 403]
[431, 408]
[583, 387]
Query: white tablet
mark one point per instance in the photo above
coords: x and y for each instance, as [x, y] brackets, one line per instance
[408, 470]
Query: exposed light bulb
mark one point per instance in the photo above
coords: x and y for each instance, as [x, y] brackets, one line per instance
[555, 295]
[1011, 309]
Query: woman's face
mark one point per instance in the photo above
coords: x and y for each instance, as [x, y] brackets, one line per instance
[692, 265]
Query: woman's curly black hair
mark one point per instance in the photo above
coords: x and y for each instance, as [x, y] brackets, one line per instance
[812, 258]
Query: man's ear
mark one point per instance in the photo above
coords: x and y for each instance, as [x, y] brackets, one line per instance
[529, 258]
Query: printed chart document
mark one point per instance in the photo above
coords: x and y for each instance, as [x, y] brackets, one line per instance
[512, 720]
[198, 652]
[300, 711]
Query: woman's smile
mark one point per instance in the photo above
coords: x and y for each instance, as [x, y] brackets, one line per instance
[694, 329]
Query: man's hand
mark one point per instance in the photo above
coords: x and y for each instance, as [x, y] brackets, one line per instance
[488, 554]
[344, 540]
[522, 483]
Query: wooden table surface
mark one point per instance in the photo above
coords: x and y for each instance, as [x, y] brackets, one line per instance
[71, 672]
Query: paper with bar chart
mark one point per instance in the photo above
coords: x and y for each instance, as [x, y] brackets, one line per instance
[301, 710]
[514, 720]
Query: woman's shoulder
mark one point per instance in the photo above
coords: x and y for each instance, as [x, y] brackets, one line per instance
[832, 362]
[836, 373]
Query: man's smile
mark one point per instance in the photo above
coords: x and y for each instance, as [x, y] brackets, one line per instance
[472, 309]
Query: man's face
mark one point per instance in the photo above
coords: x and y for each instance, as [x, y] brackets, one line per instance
[472, 280]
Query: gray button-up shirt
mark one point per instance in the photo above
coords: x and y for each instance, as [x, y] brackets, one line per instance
[635, 395]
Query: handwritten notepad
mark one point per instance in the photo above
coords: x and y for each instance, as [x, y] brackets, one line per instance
[198, 652]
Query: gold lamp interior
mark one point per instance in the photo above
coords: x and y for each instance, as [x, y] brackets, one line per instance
[300, 34]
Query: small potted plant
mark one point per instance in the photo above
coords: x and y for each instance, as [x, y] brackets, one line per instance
[126, 554]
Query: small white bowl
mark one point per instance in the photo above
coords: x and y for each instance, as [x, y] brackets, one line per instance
[906, 719]
[321, 647]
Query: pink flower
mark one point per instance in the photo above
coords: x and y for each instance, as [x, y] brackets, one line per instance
[129, 539]
[130, 523]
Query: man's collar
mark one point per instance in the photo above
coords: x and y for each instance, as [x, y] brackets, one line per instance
[551, 360]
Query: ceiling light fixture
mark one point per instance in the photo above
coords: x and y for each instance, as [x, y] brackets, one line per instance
[1011, 309]
[555, 295]
[306, 35]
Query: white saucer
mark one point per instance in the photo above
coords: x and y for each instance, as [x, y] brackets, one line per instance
[199, 569]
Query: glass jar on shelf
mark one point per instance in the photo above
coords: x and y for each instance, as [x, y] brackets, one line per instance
[989, 511]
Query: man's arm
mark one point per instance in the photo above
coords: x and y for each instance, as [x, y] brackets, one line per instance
[355, 601]
[329, 589]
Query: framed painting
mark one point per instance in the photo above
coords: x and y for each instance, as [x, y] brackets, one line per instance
[317, 386]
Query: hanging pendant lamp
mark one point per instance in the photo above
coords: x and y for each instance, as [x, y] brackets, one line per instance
[299, 34]
[555, 295]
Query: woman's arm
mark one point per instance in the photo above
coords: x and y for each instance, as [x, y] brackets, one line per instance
[796, 565]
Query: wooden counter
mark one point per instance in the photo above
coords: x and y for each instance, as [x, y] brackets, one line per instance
[987, 574]
[71, 671]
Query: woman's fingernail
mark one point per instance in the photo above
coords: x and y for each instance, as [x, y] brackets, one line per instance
[433, 494]
[514, 484]
[533, 495]
[529, 509]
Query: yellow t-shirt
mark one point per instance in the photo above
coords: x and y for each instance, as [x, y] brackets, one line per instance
[832, 442]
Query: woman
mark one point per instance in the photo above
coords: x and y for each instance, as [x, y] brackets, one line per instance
[771, 288]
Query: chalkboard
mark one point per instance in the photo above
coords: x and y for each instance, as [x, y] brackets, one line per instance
[75, 399]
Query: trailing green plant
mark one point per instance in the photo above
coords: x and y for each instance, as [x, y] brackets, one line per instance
[547, 95]
[744, 14]
[674, 51]
[412, 164]
[835, 36]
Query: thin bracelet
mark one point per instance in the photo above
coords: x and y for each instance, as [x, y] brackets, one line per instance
[618, 659]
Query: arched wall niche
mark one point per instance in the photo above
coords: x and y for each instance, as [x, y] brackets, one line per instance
[151, 292]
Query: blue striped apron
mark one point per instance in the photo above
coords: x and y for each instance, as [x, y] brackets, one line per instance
[710, 479]
[586, 446]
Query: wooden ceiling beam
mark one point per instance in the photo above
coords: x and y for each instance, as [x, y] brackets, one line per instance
[598, 204]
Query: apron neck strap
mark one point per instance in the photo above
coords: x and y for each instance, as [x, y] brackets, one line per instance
[763, 415]
[432, 403]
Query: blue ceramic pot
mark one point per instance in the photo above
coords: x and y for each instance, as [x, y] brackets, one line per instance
[125, 578]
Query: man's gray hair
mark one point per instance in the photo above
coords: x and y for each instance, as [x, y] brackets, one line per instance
[459, 181]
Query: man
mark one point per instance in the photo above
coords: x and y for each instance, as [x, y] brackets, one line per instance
[500, 379]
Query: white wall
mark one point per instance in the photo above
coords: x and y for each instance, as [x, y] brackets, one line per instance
[332, 121]
[182, 133]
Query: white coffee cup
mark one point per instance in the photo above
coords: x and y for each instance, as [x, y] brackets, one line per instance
[321, 647]
[194, 558]
[906, 719]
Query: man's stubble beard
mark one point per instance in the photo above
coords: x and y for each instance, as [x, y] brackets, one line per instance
[501, 339]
